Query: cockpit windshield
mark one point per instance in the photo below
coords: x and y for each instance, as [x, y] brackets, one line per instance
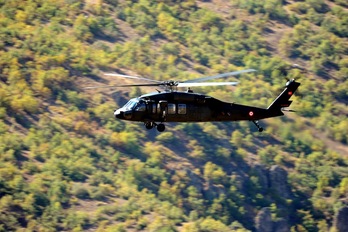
[130, 105]
[135, 104]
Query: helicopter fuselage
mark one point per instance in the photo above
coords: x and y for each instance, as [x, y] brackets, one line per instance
[187, 107]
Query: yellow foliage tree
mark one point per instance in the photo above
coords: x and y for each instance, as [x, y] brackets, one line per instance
[213, 172]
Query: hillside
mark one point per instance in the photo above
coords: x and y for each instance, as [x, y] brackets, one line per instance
[66, 164]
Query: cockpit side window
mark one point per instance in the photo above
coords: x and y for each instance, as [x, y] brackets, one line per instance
[141, 107]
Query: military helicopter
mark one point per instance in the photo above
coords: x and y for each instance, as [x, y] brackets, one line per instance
[171, 105]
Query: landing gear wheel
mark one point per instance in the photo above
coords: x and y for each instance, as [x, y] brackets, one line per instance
[260, 129]
[161, 127]
[149, 125]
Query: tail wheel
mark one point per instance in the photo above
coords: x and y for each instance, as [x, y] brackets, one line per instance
[260, 129]
[161, 127]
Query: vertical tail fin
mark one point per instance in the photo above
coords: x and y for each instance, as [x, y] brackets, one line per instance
[283, 99]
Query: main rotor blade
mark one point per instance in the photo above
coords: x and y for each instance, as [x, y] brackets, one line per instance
[116, 86]
[131, 77]
[220, 76]
[185, 84]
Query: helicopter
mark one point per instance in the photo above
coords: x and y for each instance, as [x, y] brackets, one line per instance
[171, 105]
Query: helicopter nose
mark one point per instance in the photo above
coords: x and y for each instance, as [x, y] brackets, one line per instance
[118, 114]
[127, 115]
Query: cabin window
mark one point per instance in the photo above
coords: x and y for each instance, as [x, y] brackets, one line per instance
[154, 106]
[171, 108]
[181, 108]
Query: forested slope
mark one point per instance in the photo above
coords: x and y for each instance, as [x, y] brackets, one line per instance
[68, 165]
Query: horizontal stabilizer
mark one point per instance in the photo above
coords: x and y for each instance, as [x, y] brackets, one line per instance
[287, 110]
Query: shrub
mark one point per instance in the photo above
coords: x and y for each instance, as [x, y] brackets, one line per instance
[81, 192]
